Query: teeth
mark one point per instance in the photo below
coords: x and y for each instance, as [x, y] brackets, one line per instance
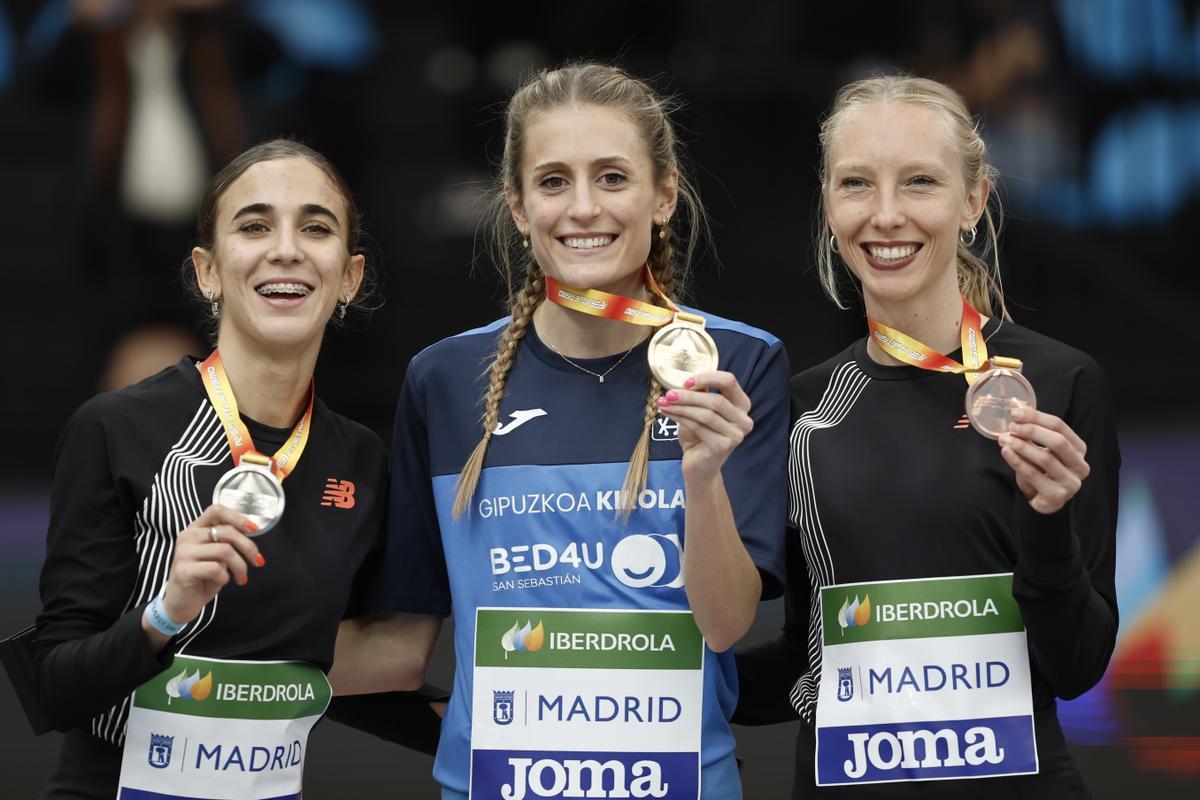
[283, 288]
[893, 253]
[587, 243]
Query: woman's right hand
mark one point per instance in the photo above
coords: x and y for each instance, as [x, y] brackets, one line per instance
[208, 553]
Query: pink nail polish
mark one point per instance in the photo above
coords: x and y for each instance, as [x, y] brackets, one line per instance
[672, 396]
[662, 402]
[689, 383]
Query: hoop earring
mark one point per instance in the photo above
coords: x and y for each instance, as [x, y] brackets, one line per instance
[968, 237]
[214, 305]
[833, 245]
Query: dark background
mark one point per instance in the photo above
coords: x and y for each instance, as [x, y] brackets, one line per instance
[1091, 108]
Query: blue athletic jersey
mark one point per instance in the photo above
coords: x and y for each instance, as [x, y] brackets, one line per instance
[544, 523]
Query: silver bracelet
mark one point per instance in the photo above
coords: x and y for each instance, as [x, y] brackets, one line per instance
[156, 615]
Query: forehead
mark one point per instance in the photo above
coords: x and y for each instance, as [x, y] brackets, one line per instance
[893, 134]
[286, 184]
[581, 134]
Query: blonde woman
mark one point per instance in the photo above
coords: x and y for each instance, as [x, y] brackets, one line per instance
[944, 586]
[602, 541]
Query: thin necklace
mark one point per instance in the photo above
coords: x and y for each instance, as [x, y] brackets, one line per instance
[597, 375]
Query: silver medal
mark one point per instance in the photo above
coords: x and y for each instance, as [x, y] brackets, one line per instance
[252, 489]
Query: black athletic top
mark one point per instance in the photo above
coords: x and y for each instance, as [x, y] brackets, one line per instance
[131, 470]
[887, 481]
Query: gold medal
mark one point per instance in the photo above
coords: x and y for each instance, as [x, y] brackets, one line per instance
[994, 394]
[681, 349]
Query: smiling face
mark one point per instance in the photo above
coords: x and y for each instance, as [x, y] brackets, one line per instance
[588, 197]
[897, 201]
[279, 261]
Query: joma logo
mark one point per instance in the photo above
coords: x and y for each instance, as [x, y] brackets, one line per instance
[571, 777]
[919, 750]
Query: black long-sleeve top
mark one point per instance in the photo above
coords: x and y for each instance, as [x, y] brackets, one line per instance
[132, 469]
[887, 481]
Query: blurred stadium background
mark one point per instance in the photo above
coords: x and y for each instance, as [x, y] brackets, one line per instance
[113, 114]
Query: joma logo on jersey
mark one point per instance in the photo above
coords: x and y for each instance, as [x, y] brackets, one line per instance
[573, 777]
[339, 494]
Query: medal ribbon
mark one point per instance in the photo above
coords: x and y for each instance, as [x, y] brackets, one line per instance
[216, 384]
[597, 303]
[904, 348]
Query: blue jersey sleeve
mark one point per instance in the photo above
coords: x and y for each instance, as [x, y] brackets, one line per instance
[755, 473]
[413, 575]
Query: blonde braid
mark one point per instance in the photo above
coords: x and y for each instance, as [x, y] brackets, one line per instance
[506, 353]
[636, 475]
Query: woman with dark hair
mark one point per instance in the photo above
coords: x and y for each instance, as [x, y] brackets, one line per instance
[944, 586]
[211, 526]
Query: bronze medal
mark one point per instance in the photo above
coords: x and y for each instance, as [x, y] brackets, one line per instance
[995, 393]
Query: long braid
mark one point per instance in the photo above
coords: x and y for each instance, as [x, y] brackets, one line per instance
[506, 354]
[662, 267]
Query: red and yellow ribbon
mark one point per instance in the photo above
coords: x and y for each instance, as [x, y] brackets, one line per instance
[904, 348]
[216, 384]
[597, 303]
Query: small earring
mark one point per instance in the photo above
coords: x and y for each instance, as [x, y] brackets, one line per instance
[833, 243]
[525, 240]
[662, 229]
[342, 306]
[968, 237]
[214, 305]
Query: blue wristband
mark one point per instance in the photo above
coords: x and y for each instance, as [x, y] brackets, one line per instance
[156, 615]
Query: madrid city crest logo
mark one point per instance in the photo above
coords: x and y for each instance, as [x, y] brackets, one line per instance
[159, 755]
[502, 706]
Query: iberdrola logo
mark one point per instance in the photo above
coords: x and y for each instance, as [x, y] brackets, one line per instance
[189, 687]
[856, 614]
[525, 639]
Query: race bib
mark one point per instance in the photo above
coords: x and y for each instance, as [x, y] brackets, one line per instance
[223, 730]
[923, 680]
[571, 703]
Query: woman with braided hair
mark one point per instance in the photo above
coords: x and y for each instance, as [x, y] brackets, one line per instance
[596, 593]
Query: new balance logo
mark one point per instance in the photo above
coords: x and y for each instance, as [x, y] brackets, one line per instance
[339, 494]
[519, 418]
[962, 423]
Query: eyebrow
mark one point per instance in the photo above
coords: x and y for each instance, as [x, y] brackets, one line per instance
[308, 209]
[918, 166]
[592, 163]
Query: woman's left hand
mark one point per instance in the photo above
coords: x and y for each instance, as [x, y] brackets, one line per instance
[1047, 457]
[711, 424]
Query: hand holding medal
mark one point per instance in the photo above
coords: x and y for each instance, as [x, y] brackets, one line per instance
[683, 358]
[1046, 455]
[214, 549]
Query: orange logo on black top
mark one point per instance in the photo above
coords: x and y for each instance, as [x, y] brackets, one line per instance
[962, 423]
[339, 494]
